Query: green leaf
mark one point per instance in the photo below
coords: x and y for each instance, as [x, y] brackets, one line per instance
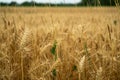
[53, 50]
[74, 68]
[54, 72]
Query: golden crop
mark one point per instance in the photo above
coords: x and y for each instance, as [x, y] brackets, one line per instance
[59, 43]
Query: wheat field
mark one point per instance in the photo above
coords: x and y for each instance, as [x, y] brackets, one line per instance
[59, 43]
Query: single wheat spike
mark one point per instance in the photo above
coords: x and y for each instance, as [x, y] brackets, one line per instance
[24, 41]
[24, 38]
[81, 63]
[45, 47]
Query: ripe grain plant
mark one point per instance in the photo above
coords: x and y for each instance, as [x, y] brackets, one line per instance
[59, 43]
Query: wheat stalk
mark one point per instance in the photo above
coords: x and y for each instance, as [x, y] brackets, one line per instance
[53, 66]
[24, 41]
[99, 74]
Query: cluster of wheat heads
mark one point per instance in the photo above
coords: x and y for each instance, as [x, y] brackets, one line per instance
[14, 49]
[59, 53]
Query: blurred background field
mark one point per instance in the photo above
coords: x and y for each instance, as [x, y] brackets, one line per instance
[60, 43]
